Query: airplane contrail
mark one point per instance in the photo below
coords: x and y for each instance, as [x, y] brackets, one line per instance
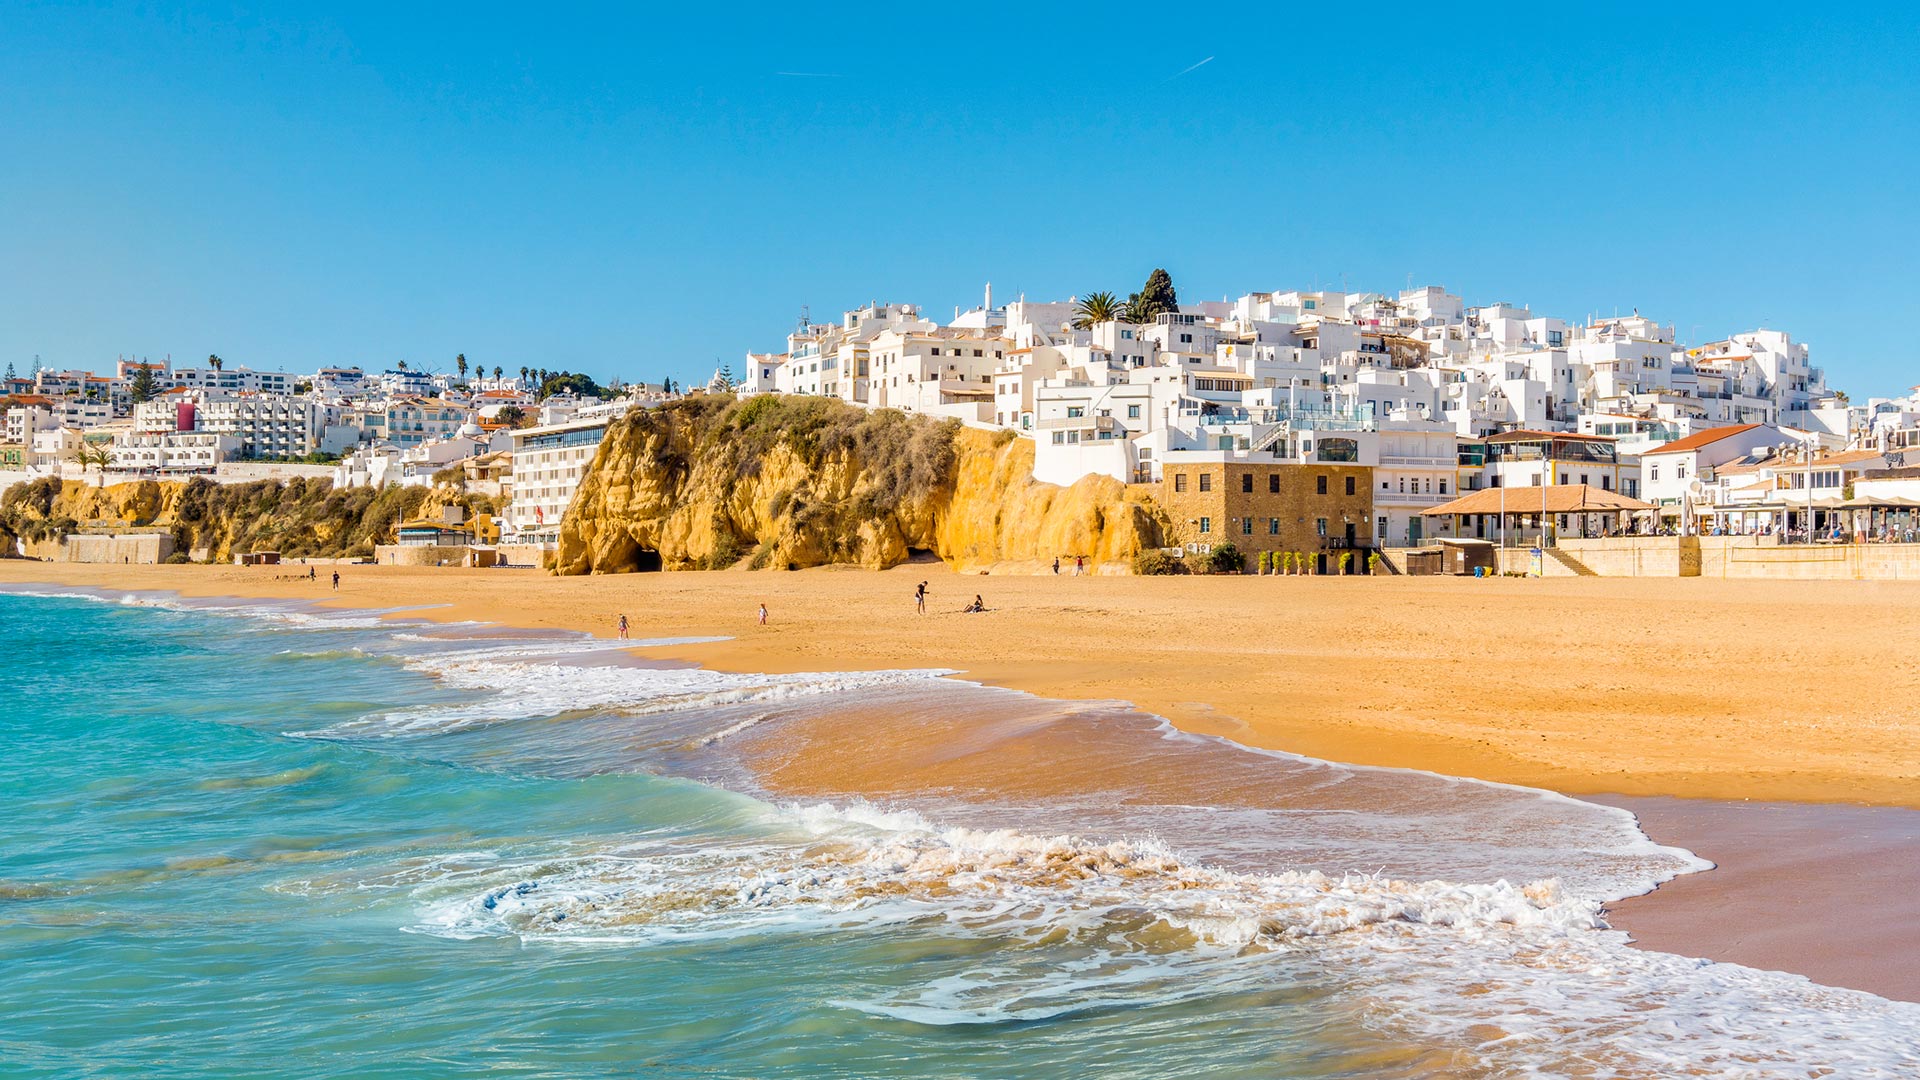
[1183, 71]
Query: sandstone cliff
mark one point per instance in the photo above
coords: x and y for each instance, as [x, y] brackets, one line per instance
[789, 482]
[299, 518]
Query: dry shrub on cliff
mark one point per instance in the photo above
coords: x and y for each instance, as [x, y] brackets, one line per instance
[903, 457]
[299, 518]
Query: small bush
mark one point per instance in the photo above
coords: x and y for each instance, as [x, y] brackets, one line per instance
[178, 558]
[1152, 562]
[1225, 559]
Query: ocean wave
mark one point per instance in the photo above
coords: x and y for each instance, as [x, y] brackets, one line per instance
[1520, 978]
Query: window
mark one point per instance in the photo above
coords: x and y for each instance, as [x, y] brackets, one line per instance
[1179, 480]
[1383, 485]
[1583, 478]
[1349, 485]
[1606, 483]
[1273, 483]
[1206, 525]
[1273, 526]
[933, 352]
[1246, 526]
[1133, 412]
[1206, 481]
[1060, 439]
[1320, 486]
[1246, 483]
[1653, 472]
[1320, 526]
[1076, 411]
[977, 352]
[1186, 339]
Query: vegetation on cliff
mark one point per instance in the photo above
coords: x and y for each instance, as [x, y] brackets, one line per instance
[301, 518]
[781, 482]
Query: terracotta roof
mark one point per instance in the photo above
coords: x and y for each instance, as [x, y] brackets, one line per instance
[1558, 499]
[1699, 439]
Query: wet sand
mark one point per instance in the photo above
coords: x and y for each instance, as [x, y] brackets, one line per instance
[1829, 892]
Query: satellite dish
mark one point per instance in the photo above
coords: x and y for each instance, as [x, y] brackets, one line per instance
[1696, 488]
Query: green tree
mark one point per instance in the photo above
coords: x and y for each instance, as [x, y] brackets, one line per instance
[10, 373]
[1094, 309]
[1135, 311]
[513, 416]
[215, 362]
[142, 386]
[460, 365]
[1159, 293]
[95, 456]
[498, 371]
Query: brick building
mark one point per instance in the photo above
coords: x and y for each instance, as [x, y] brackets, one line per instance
[1319, 509]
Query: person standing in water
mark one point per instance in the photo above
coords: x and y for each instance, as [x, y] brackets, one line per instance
[763, 614]
[623, 628]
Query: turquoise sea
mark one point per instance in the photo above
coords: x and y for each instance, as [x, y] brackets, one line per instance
[242, 840]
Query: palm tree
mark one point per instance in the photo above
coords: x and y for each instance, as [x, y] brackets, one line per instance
[402, 365]
[523, 373]
[1095, 309]
[215, 362]
[460, 365]
[498, 371]
[99, 457]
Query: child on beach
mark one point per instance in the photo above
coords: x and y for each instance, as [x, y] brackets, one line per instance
[763, 614]
[623, 628]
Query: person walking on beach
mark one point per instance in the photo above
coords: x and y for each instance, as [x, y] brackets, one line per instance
[336, 581]
[920, 598]
[623, 628]
[763, 614]
[1056, 564]
[313, 573]
[1079, 565]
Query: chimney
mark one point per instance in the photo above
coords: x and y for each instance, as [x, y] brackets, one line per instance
[989, 296]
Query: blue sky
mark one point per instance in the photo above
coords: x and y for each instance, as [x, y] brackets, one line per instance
[623, 192]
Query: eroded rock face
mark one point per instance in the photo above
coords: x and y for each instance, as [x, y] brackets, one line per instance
[703, 487]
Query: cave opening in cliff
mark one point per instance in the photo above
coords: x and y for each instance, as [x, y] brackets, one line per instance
[921, 555]
[645, 561]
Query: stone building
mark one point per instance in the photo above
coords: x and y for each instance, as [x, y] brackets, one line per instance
[1319, 509]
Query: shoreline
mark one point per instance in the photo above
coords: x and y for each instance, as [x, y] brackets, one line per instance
[1492, 680]
[1835, 932]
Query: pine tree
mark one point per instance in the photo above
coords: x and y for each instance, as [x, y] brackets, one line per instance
[142, 386]
[1158, 295]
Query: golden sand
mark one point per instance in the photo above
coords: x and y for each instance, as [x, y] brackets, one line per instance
[1797, 691]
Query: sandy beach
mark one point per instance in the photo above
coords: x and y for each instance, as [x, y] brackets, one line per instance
[1777, 692]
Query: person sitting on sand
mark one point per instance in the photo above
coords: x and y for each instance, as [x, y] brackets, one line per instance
[977, 605]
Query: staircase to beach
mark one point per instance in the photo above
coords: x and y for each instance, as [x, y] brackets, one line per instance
[1573, 565]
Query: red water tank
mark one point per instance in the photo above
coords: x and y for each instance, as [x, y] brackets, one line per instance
[183, 416]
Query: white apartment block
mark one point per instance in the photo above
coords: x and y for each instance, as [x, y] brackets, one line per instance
[548, 463]
[238, 380]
